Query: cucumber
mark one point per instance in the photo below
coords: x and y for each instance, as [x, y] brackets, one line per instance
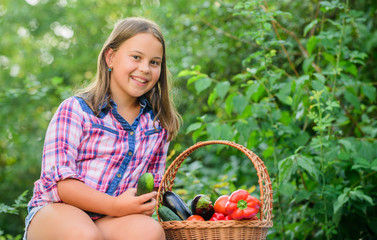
[166, 214]
[145, 184]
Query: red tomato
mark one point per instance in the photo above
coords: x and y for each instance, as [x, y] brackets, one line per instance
[220, 204]
[195, 218]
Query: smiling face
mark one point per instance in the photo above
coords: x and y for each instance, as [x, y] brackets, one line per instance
[135, 67]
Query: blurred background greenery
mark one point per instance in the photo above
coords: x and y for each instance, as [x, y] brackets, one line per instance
[294, 81]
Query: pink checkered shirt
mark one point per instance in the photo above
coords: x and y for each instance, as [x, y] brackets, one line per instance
[104, 152]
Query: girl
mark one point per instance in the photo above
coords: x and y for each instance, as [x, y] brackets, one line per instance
[100, 141]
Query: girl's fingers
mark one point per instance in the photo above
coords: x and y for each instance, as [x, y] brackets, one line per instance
[145, 197]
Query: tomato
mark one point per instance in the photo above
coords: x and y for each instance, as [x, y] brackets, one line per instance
[195, 218]
[220, 204]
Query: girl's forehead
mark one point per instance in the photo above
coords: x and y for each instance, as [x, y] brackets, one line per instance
[143, 42]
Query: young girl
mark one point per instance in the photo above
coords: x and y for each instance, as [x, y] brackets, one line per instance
[99, 142]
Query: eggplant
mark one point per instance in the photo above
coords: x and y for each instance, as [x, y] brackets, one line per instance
[202, 205]
[176, 204]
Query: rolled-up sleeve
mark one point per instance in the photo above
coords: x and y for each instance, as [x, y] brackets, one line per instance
[60, 148]
[157, 165]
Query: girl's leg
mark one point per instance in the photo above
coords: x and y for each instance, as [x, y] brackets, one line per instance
[131, 227]
[61, 221]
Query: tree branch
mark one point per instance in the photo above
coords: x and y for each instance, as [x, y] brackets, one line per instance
[292, 34]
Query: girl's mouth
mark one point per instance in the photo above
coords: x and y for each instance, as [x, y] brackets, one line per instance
[141, 80]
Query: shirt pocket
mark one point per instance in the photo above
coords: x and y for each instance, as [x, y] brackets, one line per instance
[99, 141]
[150, 137]
[152, 131]
[95, 125]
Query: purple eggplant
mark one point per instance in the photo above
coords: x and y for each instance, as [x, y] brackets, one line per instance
[202, 205]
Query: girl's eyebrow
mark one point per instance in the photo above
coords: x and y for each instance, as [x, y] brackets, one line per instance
[144, 54]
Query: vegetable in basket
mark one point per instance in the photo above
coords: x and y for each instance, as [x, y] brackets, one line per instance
[202, 205]
[241, 205]
[220, 204]
[195, 218]
[166, 214]
[176, 204]
[217, 217]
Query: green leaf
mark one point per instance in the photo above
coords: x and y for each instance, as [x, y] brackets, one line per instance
[268, 152]
[311, 44]
[352, 98]
[341, 200]
[348, 145]
[211, 98]
[359, 194]
[222, 88]
[193, 127]
[229, 104]
[310, 26]
[226, 132]
[370, 92]
[185, 73]
[214, 130]
[57, 81]
[374, 165]
[203, 84]
[320, 77]
[287, 189]
[284, 93]
[240, 103]
[286, 168]
[199, 132]
[308, 165]
[361, 163]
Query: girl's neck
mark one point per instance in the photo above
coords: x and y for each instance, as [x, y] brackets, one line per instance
[129, 109]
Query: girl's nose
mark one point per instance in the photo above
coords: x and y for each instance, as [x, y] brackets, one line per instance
[144, 66]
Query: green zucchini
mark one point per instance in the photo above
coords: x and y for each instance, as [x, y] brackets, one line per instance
[166, 214]
[145, 184]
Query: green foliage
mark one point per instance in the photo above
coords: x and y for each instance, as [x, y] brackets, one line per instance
[294, 81]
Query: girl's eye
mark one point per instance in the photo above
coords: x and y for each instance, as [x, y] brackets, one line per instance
[136, 57]
[155, 63]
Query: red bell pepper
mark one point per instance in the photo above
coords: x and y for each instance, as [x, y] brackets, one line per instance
[241, 205]
[217, 217]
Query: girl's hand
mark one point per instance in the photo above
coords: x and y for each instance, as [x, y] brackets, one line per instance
[127, 203]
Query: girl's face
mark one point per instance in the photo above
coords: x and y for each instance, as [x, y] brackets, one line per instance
[136, 66]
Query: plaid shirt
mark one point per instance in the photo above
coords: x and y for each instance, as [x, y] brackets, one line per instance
[104, 152]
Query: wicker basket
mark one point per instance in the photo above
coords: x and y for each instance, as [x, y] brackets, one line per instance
[214, 230]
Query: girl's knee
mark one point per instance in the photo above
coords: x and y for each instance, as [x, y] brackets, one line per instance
[154, 230]
[136, 226]
[83, 234]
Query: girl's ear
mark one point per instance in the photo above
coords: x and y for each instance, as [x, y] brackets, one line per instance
[108, 57]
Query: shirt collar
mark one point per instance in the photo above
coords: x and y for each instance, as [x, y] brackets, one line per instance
[143, 103]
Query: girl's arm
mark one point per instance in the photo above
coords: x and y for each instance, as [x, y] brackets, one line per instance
[77, 193]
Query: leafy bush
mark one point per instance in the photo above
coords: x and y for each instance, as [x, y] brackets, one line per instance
[305, 103]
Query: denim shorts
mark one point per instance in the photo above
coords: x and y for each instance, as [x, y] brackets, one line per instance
[31, 213]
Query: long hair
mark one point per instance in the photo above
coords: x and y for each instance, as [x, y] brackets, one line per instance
[98, 92]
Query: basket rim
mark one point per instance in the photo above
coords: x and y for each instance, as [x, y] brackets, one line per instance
[266, 192]
[216, 224]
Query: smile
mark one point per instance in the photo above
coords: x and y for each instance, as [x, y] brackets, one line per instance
[139, 79]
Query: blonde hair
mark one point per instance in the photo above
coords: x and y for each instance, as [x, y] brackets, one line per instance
[98, 92]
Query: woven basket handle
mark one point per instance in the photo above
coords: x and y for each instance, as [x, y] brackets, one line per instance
[264, 179]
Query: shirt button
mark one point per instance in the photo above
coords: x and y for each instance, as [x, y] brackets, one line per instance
[131, 133]
[119, 175]
[129, 153]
